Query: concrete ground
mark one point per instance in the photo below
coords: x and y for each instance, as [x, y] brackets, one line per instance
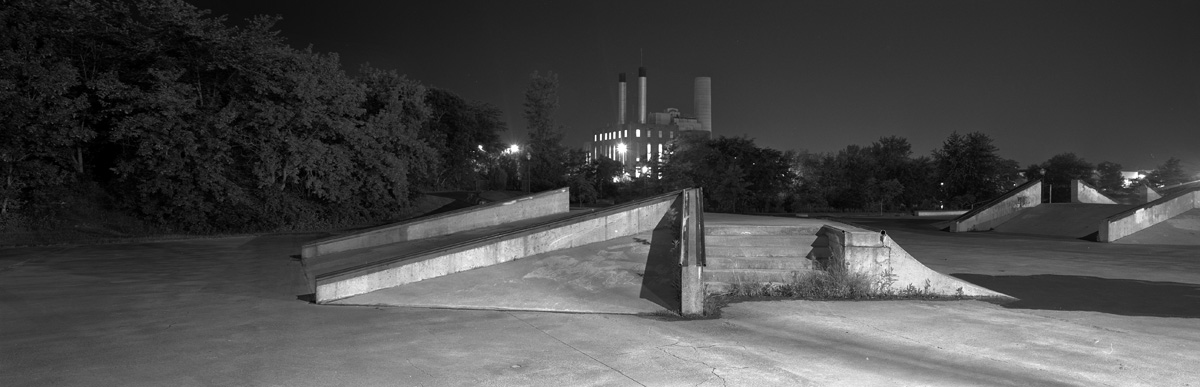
[232, 311]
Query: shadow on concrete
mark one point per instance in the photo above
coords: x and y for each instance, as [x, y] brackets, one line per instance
[660, 282]
[1079, 293]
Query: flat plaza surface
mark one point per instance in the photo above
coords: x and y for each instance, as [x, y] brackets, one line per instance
[234, 312]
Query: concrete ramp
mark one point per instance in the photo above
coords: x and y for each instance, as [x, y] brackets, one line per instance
[1183, 229]
[364, 263]
[875, 253]
[602, 277]
[1073, 220]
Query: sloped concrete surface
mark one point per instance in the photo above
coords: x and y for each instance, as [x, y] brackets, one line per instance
[604, 277]
[225, 312]
[1182, 229]
[1073, 220]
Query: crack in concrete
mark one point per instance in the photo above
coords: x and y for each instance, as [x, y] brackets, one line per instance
[414, 365]
[576, 349]
[712, 369]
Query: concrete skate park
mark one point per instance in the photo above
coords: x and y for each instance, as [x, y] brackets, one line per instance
[552, 296]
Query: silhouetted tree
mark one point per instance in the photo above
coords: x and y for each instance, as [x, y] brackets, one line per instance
[971, 170]
[545, 137]
[1168, 173]
[1061, 169]
[1109, 177]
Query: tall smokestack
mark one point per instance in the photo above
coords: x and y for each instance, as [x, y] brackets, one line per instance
[641, 95]
[621, 99]
[703, 101]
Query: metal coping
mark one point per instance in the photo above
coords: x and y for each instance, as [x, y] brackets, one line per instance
[464, 245]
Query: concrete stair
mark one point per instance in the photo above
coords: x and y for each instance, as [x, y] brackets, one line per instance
[757, 255]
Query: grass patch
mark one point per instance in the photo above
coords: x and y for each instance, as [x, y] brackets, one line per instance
[837, 283]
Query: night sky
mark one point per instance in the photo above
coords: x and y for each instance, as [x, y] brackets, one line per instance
[1109, 81]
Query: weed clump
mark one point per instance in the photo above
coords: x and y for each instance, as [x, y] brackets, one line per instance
[836, 282]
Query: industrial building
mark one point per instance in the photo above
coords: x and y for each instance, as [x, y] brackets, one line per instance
[649, 135]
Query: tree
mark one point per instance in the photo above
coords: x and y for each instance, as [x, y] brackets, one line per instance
[1168, 173]
[41, 133]
[545, 137]
[970, 168]
[1109, 177]
[1061, 169]
[190, 123]
[464, 133]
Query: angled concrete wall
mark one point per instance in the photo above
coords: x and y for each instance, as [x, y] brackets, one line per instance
[526, 207]
[1000, 210]
[878, 256]
[1128, 222]
[1147, 194]
[610, 223]
[1082, 192]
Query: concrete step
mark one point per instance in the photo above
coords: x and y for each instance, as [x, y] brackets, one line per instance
[773, 263]
[759, 240]
[756, 251]
[717, 230]
[750, 275]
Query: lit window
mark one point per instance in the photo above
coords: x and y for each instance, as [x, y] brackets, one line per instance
[637, 133]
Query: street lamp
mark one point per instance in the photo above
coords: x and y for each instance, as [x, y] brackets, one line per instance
[528, 160]
[1049, 199]
[942, 200]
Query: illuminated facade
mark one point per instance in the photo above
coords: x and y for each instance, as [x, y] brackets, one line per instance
[646, 139]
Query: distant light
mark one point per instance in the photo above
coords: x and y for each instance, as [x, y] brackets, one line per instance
[514, 149]
[480, 146]
[621, 148]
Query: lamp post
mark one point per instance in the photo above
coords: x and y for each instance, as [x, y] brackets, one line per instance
[1050, 198]
[621, 149]
[528, 175]
[942, 198]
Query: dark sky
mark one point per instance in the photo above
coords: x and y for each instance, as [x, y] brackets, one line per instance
[1107, 80]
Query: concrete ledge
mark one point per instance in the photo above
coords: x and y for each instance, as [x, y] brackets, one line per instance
[939, 212]
[613, 222]
[875, 254]
[1137, 219]
[999, 210]
[527, 207]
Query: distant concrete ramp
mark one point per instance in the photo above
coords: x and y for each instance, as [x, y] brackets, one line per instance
[1139, 218]
[1072, 220]
[1082, 192]
[1000, 209]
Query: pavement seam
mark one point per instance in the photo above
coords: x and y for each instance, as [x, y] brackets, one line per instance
[576, 349]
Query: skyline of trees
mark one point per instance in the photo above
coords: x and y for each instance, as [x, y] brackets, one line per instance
[160, 111]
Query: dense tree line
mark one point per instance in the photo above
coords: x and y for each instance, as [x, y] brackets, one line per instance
[188, 122]
[966, 171]
[156, 109]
